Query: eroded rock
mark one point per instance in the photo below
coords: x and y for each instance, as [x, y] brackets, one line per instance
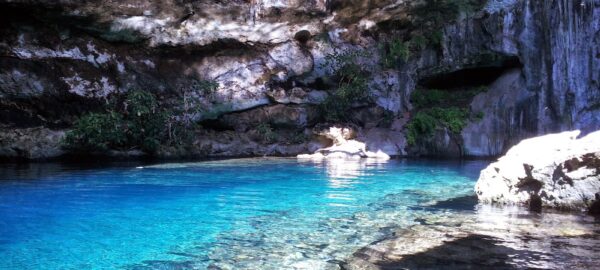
[560, 169]
[31, 143]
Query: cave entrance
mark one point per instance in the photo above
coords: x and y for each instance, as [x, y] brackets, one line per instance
[470, 77]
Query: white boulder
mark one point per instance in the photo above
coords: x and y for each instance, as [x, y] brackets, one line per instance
[343, 147]
[557, 170]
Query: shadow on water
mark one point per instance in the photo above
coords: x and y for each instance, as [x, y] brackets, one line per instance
[471, 252]
[464, 203]
[37, 171]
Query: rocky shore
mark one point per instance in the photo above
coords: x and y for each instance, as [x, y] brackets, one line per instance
[559, 171]
[490, 238]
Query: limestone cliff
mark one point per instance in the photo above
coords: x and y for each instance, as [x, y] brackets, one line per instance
[539, 61]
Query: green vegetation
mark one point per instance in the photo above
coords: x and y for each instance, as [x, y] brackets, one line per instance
[352, 79]
[266, 133]
[440, 109]
[455, 119]
[136, 121]
[433, 97]
[393, 51]
[425, 122]
[422, 124]
[207, 88]
[99, 131]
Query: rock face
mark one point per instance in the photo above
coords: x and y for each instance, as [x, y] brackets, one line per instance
[62, 59]
[547, 52]
[506, 116]
[559, 169]
[30, 143]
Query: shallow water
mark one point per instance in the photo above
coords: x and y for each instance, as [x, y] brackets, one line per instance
[234, 214]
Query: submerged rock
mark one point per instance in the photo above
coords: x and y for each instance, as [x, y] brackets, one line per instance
[481, 241]
[560, 169]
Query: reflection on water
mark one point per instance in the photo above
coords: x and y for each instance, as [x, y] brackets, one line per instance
[343, 172]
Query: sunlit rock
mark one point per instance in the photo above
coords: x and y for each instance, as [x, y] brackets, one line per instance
[344, 147]
[561, 169]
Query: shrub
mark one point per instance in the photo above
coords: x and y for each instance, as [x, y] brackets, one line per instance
[429, 98]
[424, 123]
[266, 133]
[393, 51]
[419, 41]
[455, 119]
[440, 109]
[97, 131]
[352, 79]
[144, 121]
[421, 125]
[136, 122]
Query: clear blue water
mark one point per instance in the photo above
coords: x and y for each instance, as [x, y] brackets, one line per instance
[234, 214]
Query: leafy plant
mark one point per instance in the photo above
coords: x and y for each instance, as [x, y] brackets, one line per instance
[97, 131]
[352, 79]
[393, 51]
[144, 122]
[134, 121]
[424, 123]
[439, 108]
[266, 133]
[207, 87]
[428, 98]
[455, 119]
[421, 125]
[419, 41]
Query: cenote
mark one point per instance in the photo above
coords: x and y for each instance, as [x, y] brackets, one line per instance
[243, 214]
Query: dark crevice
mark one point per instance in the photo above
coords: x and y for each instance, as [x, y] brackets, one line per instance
[215, 124]
[470, 77]
[318, 84]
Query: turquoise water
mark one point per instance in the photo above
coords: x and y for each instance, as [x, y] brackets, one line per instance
[234, 214]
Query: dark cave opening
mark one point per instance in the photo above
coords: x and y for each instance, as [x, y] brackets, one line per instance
[470, 77]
